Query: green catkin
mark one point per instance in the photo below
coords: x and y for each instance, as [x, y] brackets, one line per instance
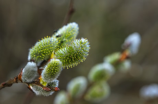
[100, 72]
[66, 34]
[72, 55]
[112, 58]
[123, 66]
[77, 86]
[43, 49]
[98, 92]
[51, 71]
[61, 98]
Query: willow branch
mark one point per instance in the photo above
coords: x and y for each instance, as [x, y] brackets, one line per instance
[69, 13]
[9, 83]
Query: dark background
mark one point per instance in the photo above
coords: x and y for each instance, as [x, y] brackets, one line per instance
[105, 23]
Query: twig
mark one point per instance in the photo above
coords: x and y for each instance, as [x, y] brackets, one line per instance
[69, 13]
[9, 83]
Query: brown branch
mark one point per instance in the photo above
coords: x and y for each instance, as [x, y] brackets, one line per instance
[9, 83]
[69, 13]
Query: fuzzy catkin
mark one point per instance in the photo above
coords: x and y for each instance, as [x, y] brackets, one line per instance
[43, 49]
[101, 72]
[51, 71]
[61, 98]
[54, 83]
[74, 54]
[98, 92]
[67, 34]
[38, 90]
[77, 86]
[29, 72]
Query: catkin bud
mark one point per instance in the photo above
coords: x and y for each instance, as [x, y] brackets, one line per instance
[38, 90]
[98, 92]
[43, 49]
[61, 98]
[123, 66]
[29, 72]
[51, 71]
[77, 86]
[74, 54]
[67, 34]
[101, 72]
[132, 43]
[149, 92]
[54, 83]
[113, 58]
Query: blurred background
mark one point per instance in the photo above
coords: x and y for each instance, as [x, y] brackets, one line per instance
[105, 23]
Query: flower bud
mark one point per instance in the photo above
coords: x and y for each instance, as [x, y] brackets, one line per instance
[54, 83]
[132, 43]
[43, 49]
[123, 66]
[77, 86]
[101, 72]
[112, 58]
[29, 72]
[98, 92]
[74, 54]
[67, 34]
[51, 71]
[149, 92]
[61, 98]
[38, 90]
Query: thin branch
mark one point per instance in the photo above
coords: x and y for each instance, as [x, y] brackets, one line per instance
[69, 13]
[9, 83]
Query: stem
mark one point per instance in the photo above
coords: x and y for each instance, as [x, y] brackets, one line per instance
[9, 82]
[69, 13]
